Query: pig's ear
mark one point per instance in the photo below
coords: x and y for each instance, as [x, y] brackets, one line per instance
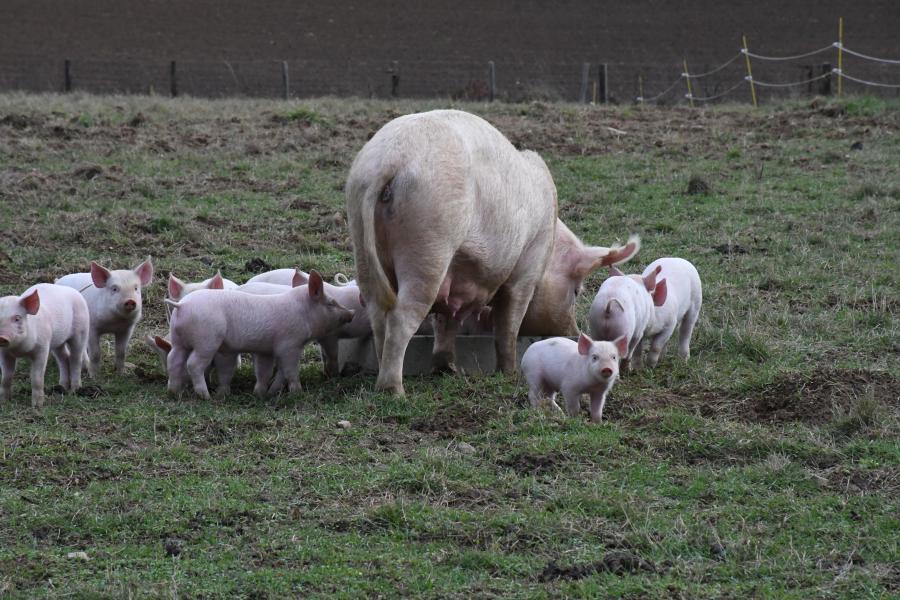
[592, 258]
[584, 344]
[31, 303]
[621, 345]
[300, 278]
[176, 287]
[617, 256]
[650, 279]
[614, 304]
[162, 343]
[216, 283]
[144, 271]
[614, 272]
[660, 293]
[99, 275]
[362, 301]
[316, 287]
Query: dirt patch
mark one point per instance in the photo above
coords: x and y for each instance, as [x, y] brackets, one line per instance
[618, 563]
[815, 397]
[451, 420]
[257, 265]
[873, 481]
[531, 464]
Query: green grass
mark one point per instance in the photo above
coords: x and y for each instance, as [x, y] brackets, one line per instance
[768, 466]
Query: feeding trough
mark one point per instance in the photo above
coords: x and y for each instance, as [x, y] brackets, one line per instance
[474, 354]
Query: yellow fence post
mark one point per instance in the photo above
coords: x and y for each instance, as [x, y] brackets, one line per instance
[749, 72]
[840, 56]
[687, 78]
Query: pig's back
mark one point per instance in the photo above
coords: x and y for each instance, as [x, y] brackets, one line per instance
[682, 280]
[63, 310]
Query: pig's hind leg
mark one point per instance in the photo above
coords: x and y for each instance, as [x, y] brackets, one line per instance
[197, 362]
[658, 345]
[686, 330]
[225, 363]
[62, 356]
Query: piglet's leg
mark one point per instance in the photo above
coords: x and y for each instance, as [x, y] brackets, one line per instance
[8, 364]
[329, 347]
[38, 368]
[225, 366]
[658, 344]
[573, 402]
[196, 368]
[61, 354]
[262, 366]
[288, 363]
[121, 348]
[598, 400]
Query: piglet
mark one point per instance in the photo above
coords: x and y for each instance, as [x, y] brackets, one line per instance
[290, 277]
[573, 368]
[346, 294]
[178, 289]
[275, 328]
[46, 318]
[623, 306]
[114, 301]
[684, 296]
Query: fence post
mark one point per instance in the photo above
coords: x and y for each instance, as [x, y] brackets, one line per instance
[749, 71]
[840, 73]
[285, 80]
[640, 89]
[492, 81]
[603, 82]
[687, 78]
[825, 82]
[395, 78]
[67, 75]
[173, 80]
[585, 75]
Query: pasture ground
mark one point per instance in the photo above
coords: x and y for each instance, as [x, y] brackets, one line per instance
[769, 466]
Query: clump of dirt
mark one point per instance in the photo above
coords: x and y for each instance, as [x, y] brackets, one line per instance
[531, 464]
[698, 186]
[87, 172]
[729, 249]
[20, 121]
[879, 481]
[813, 397]
[257, 265]
[451, 420]
[618, 563]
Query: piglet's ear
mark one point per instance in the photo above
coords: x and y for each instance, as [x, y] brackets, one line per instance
[162, 343]
[584, 344]
[31, 302]
[300, 278]
[362, 301]
[145, 271]
[316, 287]
[99, 275]
[621, 345]
[176, 287]
[659, 294]
[650, 279]
[216, 283]
[615, 272]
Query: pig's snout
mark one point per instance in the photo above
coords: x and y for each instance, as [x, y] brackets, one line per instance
[347, 317]
[130, 305]
[4, 342]
[606, 372]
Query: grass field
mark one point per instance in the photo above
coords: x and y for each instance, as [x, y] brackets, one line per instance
[768, 466]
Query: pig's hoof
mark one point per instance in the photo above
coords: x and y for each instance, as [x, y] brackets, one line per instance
[58, 389]
[89, 391]
[395, 389]
[442, 362]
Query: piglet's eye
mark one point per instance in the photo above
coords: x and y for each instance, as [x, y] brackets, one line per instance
[595, 357]
[114, 289]
[17, 318]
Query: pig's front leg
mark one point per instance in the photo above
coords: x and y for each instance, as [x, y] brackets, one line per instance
[262, 367]
[122, 339]
[598, 400]
[573, 401]
[93, 353]
[8, 364]
[443, 356]
[38, 367]
[288, 364]
[329, 347]
[225, 366]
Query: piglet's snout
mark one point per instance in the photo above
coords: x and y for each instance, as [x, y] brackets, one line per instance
[130, 305]
[4, 342]
[606, 372]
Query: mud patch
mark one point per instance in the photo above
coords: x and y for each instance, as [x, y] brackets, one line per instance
[874, 481]
[257, 265]
[531, 464]
[815, 397]
[617, 563]
[451, 420]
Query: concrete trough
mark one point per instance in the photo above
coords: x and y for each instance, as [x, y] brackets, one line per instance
[474, 354]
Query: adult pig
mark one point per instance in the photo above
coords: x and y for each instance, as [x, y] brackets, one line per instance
[447, 216]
